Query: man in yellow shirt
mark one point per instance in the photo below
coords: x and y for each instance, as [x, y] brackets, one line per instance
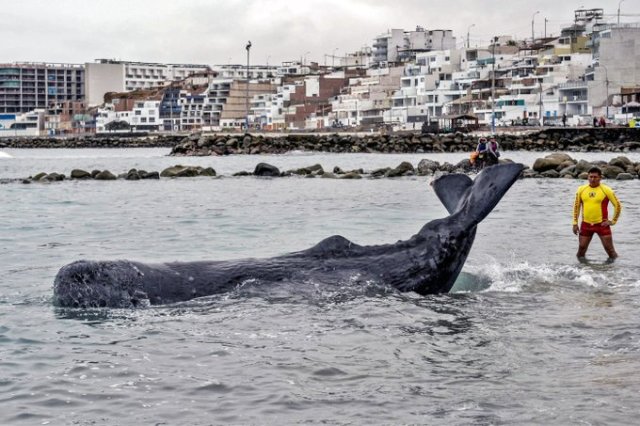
[594, 198]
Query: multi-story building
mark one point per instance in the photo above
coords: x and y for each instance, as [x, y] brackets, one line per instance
[25, 87]
[235, 110]
[67, 118]
[617, 66]
[107, 75]
[398, 45]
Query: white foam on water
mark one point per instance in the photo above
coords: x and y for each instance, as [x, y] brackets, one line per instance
[517, 276]
[5, 155]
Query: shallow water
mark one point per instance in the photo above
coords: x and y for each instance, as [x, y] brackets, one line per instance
[530, 337]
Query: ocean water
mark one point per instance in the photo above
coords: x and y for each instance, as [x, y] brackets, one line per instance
[529, 336]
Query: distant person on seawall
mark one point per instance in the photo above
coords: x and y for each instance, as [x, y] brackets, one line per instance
[593, 199]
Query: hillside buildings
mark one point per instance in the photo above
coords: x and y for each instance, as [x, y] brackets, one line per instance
[406, 79]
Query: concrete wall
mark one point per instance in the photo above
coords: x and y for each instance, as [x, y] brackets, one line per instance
[619, 63]
[102, 78]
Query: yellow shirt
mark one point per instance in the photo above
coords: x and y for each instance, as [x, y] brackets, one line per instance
[595, 203]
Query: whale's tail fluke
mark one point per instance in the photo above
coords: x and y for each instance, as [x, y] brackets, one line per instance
[475, 199]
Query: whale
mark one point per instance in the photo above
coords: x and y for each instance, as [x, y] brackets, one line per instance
[426, 263]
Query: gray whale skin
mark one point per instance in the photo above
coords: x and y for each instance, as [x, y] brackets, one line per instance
[429, 262]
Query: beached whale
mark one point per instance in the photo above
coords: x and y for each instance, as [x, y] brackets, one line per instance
[427, 263]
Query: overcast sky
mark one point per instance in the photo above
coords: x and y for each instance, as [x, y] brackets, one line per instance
[216, 31]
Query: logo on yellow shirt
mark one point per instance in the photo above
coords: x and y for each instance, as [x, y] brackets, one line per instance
[592, 194]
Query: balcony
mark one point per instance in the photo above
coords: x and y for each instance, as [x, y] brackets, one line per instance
[573, 85]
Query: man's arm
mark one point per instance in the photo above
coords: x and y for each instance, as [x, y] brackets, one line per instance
[577, 203]
[617, 205]
[576, 206]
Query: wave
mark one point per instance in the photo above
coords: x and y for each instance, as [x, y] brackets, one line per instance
[5, 155]
[522, 276]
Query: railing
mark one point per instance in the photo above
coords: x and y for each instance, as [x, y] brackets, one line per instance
[573, 85]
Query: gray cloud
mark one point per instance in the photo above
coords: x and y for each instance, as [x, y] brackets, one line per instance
[216, 31]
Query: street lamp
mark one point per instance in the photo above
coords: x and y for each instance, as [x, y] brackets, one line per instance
[468, 30]
[246, 123]
[532, 21]
[333, 57]
[619, 11]
[304, 62]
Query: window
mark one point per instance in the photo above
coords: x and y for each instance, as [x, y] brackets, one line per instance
[138, 112]
[152, 119]
[143, 119]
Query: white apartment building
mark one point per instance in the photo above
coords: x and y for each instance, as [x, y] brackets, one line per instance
[397, 45]
[146, 115]
[30, 123]
[268, 110]
[107, 75]
[108, 114]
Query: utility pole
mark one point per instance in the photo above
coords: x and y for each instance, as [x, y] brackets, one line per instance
[532, 21]
[246, 122]
[619, 11]
[545, 27]
[468, 39]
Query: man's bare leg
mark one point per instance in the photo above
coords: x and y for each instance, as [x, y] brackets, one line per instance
[583, 245]
[607, 243]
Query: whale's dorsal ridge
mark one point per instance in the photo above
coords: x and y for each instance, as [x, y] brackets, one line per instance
[334, 245]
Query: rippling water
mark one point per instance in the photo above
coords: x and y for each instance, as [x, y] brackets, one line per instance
[530, 336]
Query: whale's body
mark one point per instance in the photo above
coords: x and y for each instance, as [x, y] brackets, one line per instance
[429, 262]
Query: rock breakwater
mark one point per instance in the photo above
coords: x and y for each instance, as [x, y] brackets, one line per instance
[574, 140]
[615, 139]
[556, 165]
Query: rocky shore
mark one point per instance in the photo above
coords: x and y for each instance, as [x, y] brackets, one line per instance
[614, 139]
[556, 165]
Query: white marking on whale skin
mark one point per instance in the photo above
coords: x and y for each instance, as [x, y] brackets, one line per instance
[139, 272]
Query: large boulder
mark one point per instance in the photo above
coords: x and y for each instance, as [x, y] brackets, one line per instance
[187, 171]
[552, 162]
[583, 166]
[611, 172]
[622, 162]
[380, 172]
[427, 167]
[264, 169]
[624, 176]
[404, 169]
[105, 175]
[80, 174]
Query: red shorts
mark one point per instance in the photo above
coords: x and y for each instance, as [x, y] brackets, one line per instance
[587, 230]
